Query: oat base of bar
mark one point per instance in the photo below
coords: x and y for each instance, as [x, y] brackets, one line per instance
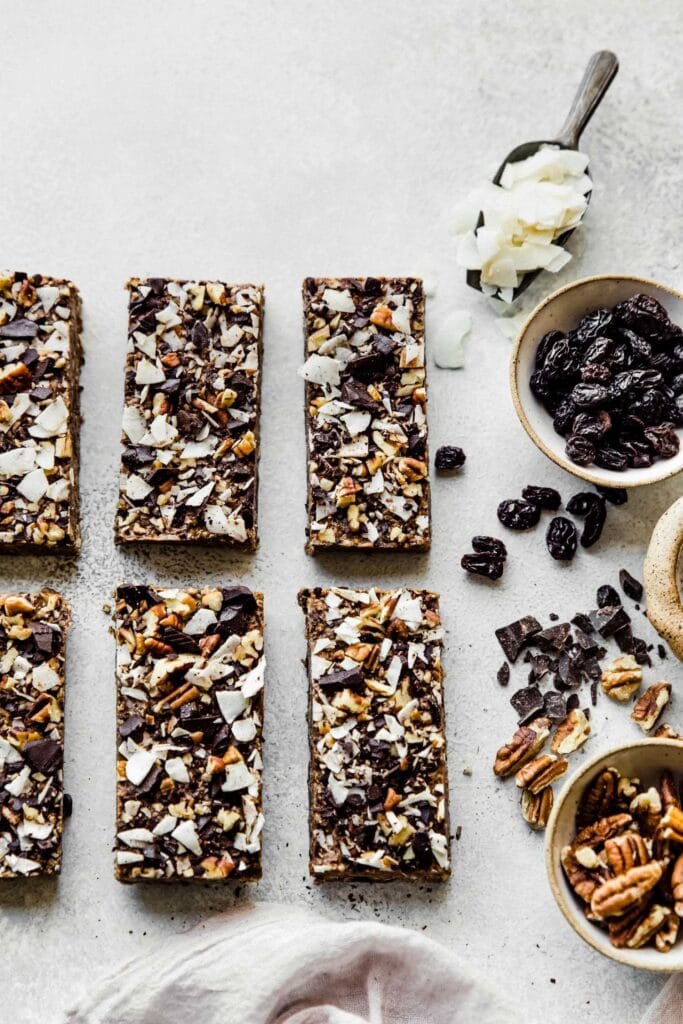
[377, 772]
[190, 672]
[366, 423]
[191, 417]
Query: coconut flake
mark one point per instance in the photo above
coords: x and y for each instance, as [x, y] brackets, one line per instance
[134, 424]
[231, 704]
[237, 776]
[48, 295]
[53, 419]
[448, 340]
[320, 370]
[34, 485]
[137, 489]
[176, 769]
[200, 622]
[356, 422]
[44, 677]
[149, 373]
[20, 783]
[17, 461]
[185, 833]
[244, 730]
[340, 302]
[138, 766]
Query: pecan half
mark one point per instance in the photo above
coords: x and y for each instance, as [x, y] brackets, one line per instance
[524, 745]
[618, 895]
[571, 734]
[646, 808]
[536, 808]
[584, 881]
[541, 773]
[625, 852]
[600, 831]
[622, 679]
[650, 705]
[677, 885]
[598, 798]
[666, 937]
[672, 825]
[669, 791]
[635, 929]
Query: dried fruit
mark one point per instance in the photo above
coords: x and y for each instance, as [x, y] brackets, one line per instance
[615, 495]
[483, 565]
[561, 539]
[449, 457]
[518, 514]
[545, 497]
[489, 545]
[630, 585]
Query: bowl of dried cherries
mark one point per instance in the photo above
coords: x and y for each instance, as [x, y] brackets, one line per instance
[597, 380]
[614, 854]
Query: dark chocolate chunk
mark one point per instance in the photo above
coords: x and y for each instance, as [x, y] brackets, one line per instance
[554, 638]
[609, 621]
[527, 703]
[554, 706]
[514, 637]
[343, 679]
[43, 755]
[21, 328]
[630, 585]
[607, 597]
[503, 674]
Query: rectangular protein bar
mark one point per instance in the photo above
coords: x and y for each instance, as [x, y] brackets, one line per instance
[377, 773]
[368, 476]
[189, 670]
[191, 416]
[33, 628]
[40, 361]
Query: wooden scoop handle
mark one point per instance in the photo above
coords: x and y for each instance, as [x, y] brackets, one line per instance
[664, 607]
[602, 67]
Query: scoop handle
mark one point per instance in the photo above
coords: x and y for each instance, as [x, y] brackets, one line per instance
[602, 67]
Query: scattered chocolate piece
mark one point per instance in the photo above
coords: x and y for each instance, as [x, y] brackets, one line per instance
[503, 674]
[517, 635]
[527, 703]
[609, 620]
[554, 638]
[607, 597]
[449, 457]
[546, 497]
[632, 587]
[555, 707]
[661, 651]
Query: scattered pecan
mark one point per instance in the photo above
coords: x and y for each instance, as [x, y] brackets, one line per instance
[625, 852]
[667, 732]
[599, 798]
[571, 734]
[523, 746]
[650, 705]
[536, 808]
[618, 895]
[622, 679]
[541, 773]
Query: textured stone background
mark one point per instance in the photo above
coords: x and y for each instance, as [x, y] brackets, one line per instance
[267, 141]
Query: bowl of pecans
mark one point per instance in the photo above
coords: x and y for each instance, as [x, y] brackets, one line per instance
[597, 380]
[614, 854]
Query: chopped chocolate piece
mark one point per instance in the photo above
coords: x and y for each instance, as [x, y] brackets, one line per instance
[449, 457]
[40, 361]
[554, 638]
[368, 467]
[661, 651]
[607, 597]
[377, 774]
[583, 622]
[503, 674]
[349, 679]
[189, 731]
[527, 703]
[555, 706]
[573, 702]
[632, 587]
[189, 469]
[541, 665]
[609, 620]
[517, 635]
[31, 735]
[568, 673]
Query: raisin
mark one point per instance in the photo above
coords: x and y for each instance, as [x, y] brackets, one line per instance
[607, 597]
[594, 426]
[608, 457]
[593, 523]
[632, 587]
[489, 545]
[517, 514]
[580, 450]
[564, 416]
[664, 440]
[561, 539]
[449, 457]
[580, 503]
[643, 314]
[594, 324]
[544, 346]
[547, 497]
[483, 565]
[589, 396]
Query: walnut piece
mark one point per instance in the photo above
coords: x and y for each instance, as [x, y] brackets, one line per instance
[571, 733]
[650, 705]
[523, 746]
[621, 680]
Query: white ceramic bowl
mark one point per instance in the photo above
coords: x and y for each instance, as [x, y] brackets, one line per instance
[645, 760]
[562, 311]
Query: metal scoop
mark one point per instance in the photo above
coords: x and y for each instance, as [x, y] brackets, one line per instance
[602, 67]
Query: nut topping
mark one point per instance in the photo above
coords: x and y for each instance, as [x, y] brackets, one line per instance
[571, 734]
[523, 746]
[540, 773]
[650, 705]
[622, 679]
[536, 808]
[618, 895]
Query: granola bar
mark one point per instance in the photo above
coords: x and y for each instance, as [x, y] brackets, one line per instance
[191, 416]
[189, 669]
[377, 774]
[33, 628]
[40, 360]
[368, 477]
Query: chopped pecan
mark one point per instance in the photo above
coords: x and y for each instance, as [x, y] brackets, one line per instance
[571, 734]
[536, 808]
[541, 773]
[650, 705]
[584, 881]
[625, 852]
[599, 797]
[523, 746]
[600, 831]
[622, 679]
[618, 895]
[667, 732]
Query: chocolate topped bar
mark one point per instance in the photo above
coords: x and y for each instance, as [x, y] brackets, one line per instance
[40, 360]
[33, 629]
[189, 669]
[377, 772]
[368, 477]
[191, 414]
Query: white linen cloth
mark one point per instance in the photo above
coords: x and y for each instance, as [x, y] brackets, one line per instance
[668, 1006]
[271, 964]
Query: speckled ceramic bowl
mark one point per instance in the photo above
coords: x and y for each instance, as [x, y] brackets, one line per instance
[562, 311]
[646, 760]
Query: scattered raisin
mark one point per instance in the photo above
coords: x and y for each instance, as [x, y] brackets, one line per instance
[615, 495]
[489, 545]
[561, 539]
[483, 565]
[518, 514]
[632, 587]
[449, 457]
[547, 497]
